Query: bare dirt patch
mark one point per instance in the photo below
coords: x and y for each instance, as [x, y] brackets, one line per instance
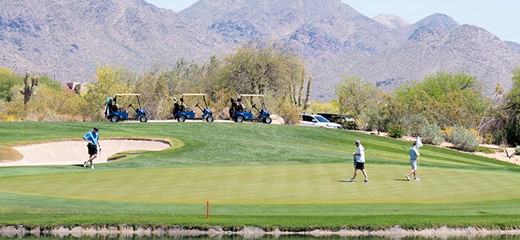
[75, 152]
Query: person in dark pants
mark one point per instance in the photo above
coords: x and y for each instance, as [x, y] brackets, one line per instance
[92, 138]
[233, 108]
[360, 161]
[176, 107]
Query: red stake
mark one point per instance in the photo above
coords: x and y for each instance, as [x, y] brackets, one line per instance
[207, 209]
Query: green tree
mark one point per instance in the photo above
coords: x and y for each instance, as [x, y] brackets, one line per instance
[155, 99]
[446, 99]
[259, 71]
[280, 76]
[362, 100]
[110, 81]
[512, 111]
[7, 80]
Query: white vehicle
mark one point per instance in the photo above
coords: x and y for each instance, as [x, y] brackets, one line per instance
[315, 120]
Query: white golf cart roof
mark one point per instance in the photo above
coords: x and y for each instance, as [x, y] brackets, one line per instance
[250, 95]
[193, 94]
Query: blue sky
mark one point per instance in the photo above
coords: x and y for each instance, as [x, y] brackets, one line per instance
[500, 17]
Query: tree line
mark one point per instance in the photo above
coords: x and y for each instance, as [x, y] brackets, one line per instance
[440, 107]
[281, 77]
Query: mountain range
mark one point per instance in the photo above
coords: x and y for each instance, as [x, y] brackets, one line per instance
[67, 39]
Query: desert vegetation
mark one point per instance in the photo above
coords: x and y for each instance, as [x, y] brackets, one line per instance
[441, 107]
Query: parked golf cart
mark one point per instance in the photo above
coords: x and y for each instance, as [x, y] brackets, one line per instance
[181, 112]
[250, 101]
[115, 110]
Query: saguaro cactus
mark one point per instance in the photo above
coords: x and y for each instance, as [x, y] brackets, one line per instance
[30, 85]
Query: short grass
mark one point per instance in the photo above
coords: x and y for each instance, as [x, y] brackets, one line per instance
[255, 174]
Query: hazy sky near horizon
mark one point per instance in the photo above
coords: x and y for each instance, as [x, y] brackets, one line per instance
[499, 16]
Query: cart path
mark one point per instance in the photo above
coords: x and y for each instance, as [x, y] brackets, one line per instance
[75, 152]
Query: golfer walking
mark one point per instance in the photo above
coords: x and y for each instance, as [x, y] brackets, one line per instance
[93, 146]
[359, 155]
[414, 155]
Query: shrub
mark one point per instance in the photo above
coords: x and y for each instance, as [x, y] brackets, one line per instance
[362, 122]
[512, 132]
[350, 125]
[431, 134]
[517, 150]
[487, 138]
[396, 131]
[412, 123]
[447, 134]
[465, 140]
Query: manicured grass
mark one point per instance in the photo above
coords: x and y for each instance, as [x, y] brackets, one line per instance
[269, 184]
[255, 174]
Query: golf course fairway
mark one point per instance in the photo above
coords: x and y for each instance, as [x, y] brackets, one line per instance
[262, 175]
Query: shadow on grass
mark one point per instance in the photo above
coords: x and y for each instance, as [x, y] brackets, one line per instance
[400, 180]
[344, 180]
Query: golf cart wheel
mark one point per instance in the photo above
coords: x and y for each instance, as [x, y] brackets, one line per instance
[143, 119]
[210, 119]
[114, 118]
[268, 120]
[182, 118]
[240, 119]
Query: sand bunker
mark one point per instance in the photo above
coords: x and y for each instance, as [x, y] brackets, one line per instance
[75, 152]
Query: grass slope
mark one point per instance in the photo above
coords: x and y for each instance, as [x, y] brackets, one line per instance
[255, 174]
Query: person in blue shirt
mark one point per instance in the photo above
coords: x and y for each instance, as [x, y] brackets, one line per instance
[92, 137]
[414, 155]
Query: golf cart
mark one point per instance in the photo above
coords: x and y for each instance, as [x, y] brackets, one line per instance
[243, 112]
[115, 113]
[181, 113]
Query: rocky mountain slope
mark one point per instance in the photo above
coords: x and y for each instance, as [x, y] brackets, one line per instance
[67, 39]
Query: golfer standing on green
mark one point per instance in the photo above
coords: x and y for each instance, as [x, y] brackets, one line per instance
[359, 155]
[414, 155]
[92, 138]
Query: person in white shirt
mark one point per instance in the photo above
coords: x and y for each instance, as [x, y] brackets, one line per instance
[359, 155]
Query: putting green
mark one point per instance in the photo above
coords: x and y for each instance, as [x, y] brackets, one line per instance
[271, 184]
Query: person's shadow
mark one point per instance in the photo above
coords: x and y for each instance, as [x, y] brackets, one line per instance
[400, 180]
[344, 180]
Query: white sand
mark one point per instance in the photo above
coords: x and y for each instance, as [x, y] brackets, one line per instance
[75, 152]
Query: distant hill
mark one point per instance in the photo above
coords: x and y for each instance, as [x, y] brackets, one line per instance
[392, 21]
[67, 39]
